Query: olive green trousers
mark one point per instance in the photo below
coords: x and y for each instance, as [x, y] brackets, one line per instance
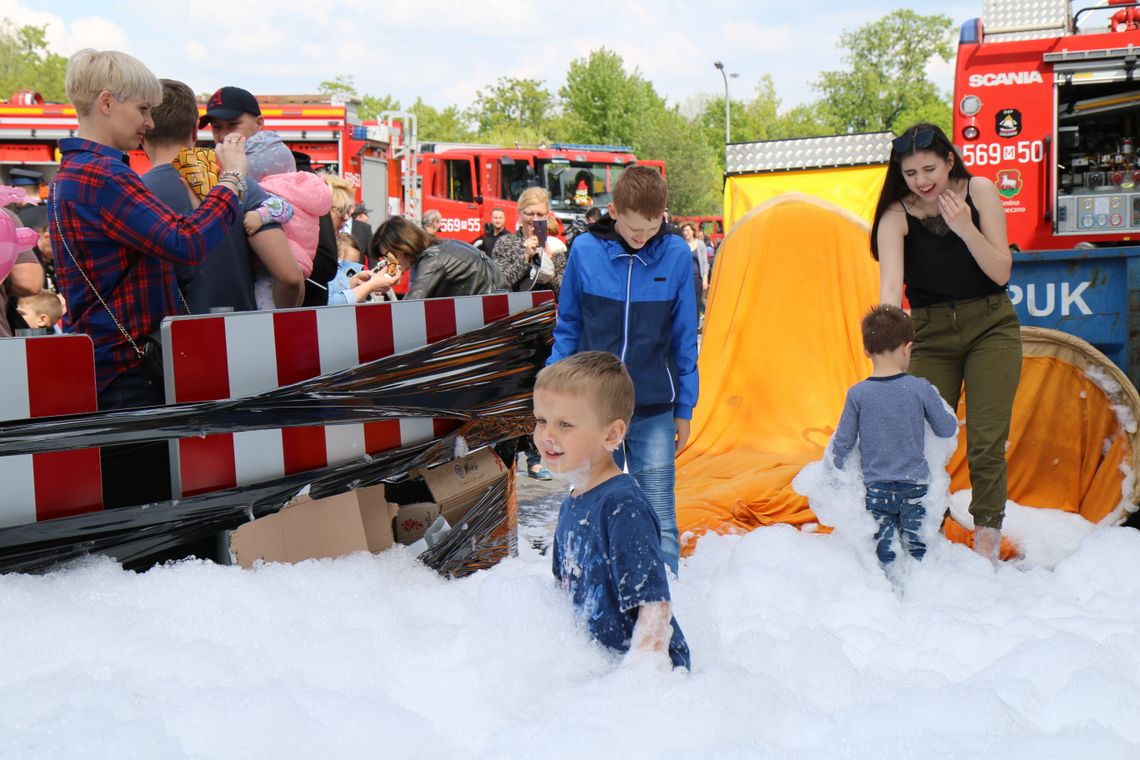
[976, 343]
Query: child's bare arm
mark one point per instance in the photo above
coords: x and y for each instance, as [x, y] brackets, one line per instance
[251, 222]
[653, 630]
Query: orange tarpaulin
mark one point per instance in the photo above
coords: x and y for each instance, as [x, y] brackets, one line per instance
[781, 346]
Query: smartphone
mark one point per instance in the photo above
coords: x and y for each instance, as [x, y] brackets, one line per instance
[540, 232]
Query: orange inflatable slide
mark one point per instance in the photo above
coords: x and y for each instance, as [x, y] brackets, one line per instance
[781, 346]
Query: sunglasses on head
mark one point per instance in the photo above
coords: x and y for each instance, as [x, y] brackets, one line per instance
[919, 140]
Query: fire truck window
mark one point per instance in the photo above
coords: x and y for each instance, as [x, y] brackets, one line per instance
[515, 180]
[459, 181]
[579, 184]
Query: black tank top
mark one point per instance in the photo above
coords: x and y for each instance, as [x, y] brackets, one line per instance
[937, 265]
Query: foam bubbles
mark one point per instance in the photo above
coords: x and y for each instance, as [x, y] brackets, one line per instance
[801, 648]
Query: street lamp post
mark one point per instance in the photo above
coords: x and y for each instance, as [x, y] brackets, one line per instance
[727, 115]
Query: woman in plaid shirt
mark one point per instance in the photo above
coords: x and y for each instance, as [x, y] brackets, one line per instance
[116, 243]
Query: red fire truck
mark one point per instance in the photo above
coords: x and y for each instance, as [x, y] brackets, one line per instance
[465, 183]
[1046, 104]
[394, 175]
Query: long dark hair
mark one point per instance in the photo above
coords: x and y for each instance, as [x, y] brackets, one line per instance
[402, 235]
[894, 184]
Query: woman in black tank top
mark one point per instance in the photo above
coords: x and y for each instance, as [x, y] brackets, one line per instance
[940, 233]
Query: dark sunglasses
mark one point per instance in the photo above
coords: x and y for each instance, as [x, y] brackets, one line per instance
[919, 140]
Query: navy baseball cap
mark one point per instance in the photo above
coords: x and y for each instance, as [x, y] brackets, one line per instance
[25, 177]
[229, 103]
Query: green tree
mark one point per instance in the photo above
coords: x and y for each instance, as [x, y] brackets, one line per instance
[603, 103]
[759, 118]
[446, 125]
[522, 105]
[27, 64]
[885, 86]
[342, 85]
[370, 106]
[692, 168]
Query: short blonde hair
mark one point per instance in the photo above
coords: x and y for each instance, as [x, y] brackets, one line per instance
[597, 376]
[534, 195]
[89, 72]
[44, 302]
[342, 195]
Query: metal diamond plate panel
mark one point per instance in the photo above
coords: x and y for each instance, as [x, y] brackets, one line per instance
[1024, 19]
[808, 153]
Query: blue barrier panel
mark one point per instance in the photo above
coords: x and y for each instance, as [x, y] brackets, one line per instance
[1093, 294]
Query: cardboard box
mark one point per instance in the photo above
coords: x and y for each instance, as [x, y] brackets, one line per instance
[456, 485]
[413, 520]
[359, 520]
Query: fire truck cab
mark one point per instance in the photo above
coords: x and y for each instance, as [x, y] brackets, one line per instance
[1046, 104]
[465, 183]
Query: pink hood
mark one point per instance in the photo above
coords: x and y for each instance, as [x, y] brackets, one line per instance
[311, 199]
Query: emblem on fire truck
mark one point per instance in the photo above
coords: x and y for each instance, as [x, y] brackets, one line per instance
[1008, 123]
[1009, 183]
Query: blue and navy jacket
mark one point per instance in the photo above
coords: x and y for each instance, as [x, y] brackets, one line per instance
[639, 306]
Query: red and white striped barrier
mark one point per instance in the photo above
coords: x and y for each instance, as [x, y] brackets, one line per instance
[225, 356]
[42, 377]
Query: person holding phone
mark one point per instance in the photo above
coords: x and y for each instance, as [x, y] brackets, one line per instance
[530, 259]
[440, 268]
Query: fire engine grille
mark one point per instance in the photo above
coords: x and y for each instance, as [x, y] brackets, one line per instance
[808, 153]
[1024, 19]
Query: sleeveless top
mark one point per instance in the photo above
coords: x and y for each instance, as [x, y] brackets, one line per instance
[937, 265]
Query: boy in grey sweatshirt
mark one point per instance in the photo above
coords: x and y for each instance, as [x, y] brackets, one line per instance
[885, 413]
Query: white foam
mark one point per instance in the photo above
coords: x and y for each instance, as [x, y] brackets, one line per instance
[801, 648]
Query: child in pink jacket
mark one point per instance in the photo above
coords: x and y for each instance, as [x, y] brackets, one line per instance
[297, 202]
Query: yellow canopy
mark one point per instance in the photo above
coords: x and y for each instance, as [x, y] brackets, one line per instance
[854, 188]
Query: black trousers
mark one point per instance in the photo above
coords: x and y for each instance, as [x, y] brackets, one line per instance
[134, 473]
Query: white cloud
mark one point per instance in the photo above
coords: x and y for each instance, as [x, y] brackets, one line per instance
[64, 38]
[99, 33]
[196, 52]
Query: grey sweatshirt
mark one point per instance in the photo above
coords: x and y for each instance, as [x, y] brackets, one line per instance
[886, 415]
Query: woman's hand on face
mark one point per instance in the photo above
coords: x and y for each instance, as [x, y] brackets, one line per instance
[955, 211]
[231, 154]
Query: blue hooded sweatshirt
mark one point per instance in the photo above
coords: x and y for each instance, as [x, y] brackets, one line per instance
[638, 305]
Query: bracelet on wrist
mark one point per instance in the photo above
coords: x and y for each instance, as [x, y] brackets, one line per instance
[236, 177]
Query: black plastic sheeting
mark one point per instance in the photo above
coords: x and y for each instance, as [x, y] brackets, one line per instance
[487, 534]
[486, 372]
[484, 377]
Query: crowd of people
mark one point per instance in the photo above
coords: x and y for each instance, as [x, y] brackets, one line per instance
[246, 225]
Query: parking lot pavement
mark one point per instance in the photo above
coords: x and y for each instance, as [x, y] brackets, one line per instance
[539, 501]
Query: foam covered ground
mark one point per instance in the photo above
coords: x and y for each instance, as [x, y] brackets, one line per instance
[801, 649]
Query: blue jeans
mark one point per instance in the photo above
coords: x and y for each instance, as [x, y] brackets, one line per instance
[649, 448]
[897, 508]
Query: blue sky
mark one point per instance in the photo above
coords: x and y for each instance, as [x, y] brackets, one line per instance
[447, 50]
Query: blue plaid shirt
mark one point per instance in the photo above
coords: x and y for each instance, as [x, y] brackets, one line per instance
[126, 240]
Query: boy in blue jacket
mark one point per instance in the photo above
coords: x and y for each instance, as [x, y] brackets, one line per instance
[628, 290]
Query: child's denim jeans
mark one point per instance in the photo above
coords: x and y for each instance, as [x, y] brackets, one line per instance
[897, 508]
